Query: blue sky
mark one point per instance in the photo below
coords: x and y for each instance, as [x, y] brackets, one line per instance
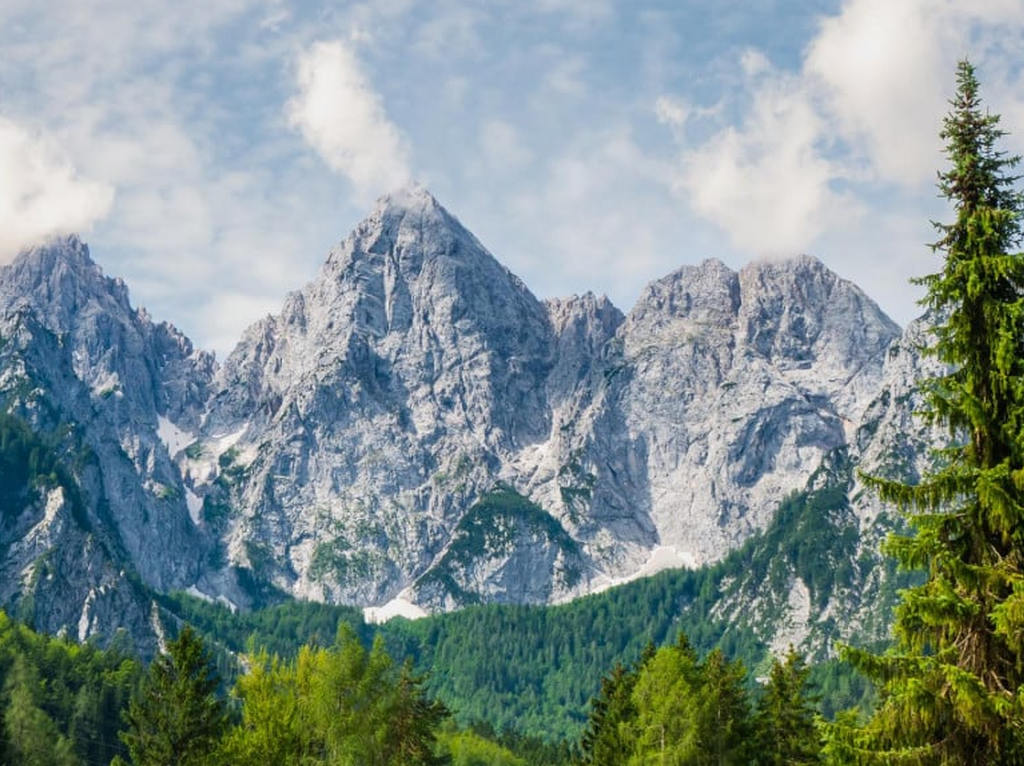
[211, 152]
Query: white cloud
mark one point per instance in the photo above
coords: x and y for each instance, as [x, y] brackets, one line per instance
[673, 112]
[754, 62]
[343, 119]
[228, 303]
[864, 107]
[765, 181]
[886, 71]
[598, 220]
[41, 194]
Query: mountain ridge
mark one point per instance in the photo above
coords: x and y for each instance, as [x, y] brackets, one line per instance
[416, 425]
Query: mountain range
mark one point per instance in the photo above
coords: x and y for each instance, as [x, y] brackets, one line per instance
[415, 432]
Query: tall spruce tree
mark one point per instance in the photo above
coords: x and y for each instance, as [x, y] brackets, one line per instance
[724, 727]
[178, 720]
[786, 734]
[609, 737]
[32, 738]
[951, 689]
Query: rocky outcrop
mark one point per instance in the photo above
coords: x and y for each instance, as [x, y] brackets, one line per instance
[414, 425]
[99, 384]
[416, 374]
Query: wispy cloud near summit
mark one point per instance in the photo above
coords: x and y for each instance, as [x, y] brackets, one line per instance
[41, 194]
[340, 115]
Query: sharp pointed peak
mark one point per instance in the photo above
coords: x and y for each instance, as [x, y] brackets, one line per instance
[413, 196]
[60, 272]
[63, 256]
[64, 247]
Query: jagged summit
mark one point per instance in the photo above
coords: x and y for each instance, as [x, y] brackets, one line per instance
[410, 206]
[415, 424]
[60, 277]
[69, 247]
[414, 197]
[60, 270]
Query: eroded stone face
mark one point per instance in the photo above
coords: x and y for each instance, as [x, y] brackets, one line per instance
[415, 425]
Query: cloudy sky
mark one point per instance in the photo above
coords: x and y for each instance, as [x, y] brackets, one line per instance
[211, 154]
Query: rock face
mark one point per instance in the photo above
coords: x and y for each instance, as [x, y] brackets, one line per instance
[95, 380]
[415, 425]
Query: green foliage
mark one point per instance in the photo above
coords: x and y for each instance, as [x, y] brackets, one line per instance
[672, 709]
[177, 720]
[281, 629]
[665, 701]
[32, 737]
[338, 560]
[467, 748]
[61, 702]
[343, 705]
[609, 738]
[490, 526]
[950, 692]
[839, 687]
[29, 464]
[785, 717]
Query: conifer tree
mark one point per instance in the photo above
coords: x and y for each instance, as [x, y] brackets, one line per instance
[724, 728]
[344, 706]
[32, 738]
[666, 696]
[951, 690]
[178, 720]
[609, 737]
[784, 721]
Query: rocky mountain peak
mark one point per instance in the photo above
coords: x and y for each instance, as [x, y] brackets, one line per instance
[797, 310]
[707, 293]
[60, 279]
[564, 311]
[406, 311]
[415, 425]
[406, 225]
[413, 198]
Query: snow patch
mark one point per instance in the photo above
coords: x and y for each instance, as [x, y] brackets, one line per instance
[195, 505]
[158, 628]
[192, 590]
[227, 441]
[396, 607]
[174, 438]
[85, 620]
[54, 503]
[205, 468]
[661, 557]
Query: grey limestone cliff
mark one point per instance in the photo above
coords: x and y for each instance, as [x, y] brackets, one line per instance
[416, 427]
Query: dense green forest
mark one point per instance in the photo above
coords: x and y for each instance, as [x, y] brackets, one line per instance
[62, 702]
[533, 669]
[347, 703]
